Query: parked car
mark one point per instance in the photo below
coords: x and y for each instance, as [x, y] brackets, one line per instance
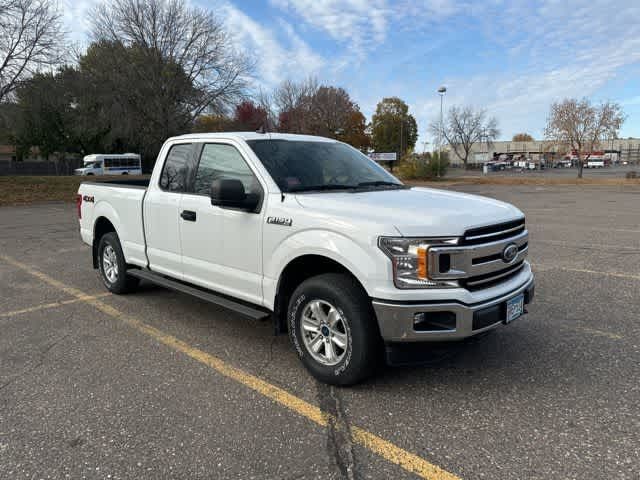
[564, 163]
[312, 233]
[595, 163]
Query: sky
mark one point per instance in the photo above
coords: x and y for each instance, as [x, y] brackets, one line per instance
[512, 58]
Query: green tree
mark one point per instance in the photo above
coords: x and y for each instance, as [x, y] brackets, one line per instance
[48, 116]
[424, 166]
[118, 98]
[189, 38]
[213, 123]
[141, 97]
[394, 128]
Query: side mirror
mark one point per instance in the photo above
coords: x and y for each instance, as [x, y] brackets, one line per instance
[230, 193]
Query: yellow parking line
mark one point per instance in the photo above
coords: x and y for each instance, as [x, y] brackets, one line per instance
[46, 306]
[387, 450]
[600, 333]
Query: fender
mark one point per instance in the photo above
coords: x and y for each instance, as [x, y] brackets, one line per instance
[100, 210]
[333, 245]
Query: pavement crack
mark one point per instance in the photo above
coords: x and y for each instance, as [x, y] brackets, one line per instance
[339, 443]
[266, 364]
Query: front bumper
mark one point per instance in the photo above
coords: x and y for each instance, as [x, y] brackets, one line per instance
[451, 320]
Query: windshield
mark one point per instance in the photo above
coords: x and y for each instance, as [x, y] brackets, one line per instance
[298, 166]
[93, 165]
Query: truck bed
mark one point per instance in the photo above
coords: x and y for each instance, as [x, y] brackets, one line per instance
[121, 202]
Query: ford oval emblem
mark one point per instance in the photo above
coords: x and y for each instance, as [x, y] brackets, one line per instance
[510, 253]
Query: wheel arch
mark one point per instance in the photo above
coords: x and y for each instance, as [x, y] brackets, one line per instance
[297, 271]
[101, 227]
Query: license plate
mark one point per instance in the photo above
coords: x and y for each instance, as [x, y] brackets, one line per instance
[515, 308]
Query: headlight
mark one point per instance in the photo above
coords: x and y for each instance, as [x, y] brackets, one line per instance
[410, 260]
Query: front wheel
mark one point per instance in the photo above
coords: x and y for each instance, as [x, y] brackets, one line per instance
[333, 329]
[113, 267]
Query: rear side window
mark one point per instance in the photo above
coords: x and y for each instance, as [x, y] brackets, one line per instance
[175, 172]
[222, 161]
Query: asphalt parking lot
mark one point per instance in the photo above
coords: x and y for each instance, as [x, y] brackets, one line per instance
[161, 385]
[612, 172]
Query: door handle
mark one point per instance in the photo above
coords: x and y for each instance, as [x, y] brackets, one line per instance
[188, 215]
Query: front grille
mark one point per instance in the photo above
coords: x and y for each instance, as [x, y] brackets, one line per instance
[477, 261]
[492, 233]
[487, 280]
[496, 256]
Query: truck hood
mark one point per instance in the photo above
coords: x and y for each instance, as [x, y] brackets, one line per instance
[413, 212]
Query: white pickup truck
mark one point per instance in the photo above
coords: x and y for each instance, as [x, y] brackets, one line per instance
[314, 234]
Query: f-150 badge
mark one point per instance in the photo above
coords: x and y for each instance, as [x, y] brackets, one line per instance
[285, 222]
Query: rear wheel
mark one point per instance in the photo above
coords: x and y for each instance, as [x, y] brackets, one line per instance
[333, 328]
[113, 267]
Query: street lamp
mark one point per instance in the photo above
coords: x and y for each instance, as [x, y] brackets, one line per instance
[441, 91]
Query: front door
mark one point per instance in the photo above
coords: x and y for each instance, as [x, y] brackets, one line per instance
[221, 248]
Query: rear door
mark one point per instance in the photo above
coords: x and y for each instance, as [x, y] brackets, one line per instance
[162, 221]
[221, 247]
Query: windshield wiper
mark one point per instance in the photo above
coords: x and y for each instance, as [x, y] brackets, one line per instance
[311, 188]
[381, 183]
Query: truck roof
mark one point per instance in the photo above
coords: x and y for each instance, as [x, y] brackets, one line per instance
[253, 136]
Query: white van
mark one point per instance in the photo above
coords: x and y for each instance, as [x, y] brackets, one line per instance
[114, 164]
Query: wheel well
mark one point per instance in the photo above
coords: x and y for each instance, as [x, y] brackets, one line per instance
[102, 227]
[296, 272]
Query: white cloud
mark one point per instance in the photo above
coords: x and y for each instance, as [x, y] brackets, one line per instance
[358, 24]
[555, 49]
[274, 60]
[76, 15]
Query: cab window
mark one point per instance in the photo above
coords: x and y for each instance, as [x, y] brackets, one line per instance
[222, 161]
[175, 171]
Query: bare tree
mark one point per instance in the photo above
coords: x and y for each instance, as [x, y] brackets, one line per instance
[31, 38]
[264, 100]
[582, 127]
[465, 127]
[191, 37]
[292, 101]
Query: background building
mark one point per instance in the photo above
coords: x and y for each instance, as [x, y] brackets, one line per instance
[623, 150]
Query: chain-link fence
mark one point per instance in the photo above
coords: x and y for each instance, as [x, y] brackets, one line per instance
[40, 167]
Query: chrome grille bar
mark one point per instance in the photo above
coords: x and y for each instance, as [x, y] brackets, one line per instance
[474, 283]
[494, 234]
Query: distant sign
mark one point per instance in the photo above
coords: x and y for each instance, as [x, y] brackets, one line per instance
[383, 157]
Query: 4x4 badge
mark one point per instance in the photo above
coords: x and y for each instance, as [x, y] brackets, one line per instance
[285, 222]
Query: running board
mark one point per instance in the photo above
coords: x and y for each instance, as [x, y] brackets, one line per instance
[256, 313]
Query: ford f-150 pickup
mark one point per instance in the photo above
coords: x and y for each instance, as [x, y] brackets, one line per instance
[315, 235]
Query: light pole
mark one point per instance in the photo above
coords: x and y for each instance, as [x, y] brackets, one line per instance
[441, 91]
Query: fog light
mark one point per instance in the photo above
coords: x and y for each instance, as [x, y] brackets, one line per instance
[418, 318]
[434, 321]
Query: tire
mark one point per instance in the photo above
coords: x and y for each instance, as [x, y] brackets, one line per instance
[341, 313]
[113, 267]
